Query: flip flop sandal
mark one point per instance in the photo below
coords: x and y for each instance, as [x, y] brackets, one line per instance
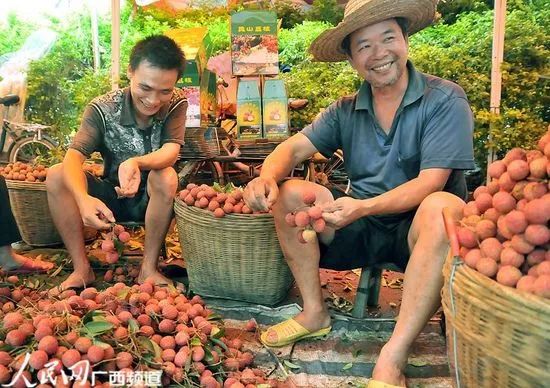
[29, 266]
[291, 331]
[380, 384]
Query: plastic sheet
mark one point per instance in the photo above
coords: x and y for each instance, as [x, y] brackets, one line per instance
[14, 66]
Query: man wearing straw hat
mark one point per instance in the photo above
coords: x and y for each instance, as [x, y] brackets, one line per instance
[406, 138]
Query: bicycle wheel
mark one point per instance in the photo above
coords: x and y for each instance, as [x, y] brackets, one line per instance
[198, 171]
[330, 172]
[26, 150]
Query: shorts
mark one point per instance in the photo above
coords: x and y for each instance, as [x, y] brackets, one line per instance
[124, 209]
[369, 240]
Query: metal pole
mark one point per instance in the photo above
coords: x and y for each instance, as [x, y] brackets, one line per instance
[95, 35]
[496, 74]
[115, 43]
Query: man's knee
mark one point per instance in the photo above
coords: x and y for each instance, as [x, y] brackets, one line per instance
[54, 179]
[291, 195]
[429, 216]
[163, 182]
[436, 202]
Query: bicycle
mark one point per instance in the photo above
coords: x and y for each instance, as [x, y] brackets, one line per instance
[25, 141]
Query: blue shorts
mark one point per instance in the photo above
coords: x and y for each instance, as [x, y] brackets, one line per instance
[367, 241]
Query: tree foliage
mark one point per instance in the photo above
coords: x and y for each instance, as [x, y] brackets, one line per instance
[457, 48]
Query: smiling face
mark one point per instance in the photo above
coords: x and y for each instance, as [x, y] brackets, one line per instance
[379, 53]
[151, 88]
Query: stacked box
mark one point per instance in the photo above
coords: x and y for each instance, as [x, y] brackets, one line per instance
[275, 110]
[197, 47]
[254, 48]
[249, 110]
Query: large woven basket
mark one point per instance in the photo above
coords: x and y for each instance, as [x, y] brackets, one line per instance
[497, 336]
[234, 257]
[29, 204]
[200, 143]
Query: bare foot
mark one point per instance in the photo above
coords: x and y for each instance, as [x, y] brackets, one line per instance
[11, 261]
[312, 322]
[157, 278]
[75, 280]
[390, 366]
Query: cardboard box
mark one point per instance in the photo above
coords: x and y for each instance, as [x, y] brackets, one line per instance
[254, 47]
[249, 110]
[275, 110]
[208, 101]
[196, 45]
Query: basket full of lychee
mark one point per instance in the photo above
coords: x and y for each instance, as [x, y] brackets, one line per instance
[504, 230]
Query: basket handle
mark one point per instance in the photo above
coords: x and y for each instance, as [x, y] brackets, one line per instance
[451, 231]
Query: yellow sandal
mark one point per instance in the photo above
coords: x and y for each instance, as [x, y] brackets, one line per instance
[290, 331]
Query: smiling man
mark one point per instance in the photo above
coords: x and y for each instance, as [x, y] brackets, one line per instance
[138, 131]
[406, 138]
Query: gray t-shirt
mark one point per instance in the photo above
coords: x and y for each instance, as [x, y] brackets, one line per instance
[109, 127]
[433, 128]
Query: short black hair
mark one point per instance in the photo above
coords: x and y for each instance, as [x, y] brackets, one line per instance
[401, 22]
[160, 51]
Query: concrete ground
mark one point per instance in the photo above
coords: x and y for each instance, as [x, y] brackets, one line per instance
[346, 357]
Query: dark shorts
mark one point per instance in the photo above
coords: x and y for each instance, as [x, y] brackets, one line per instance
[367, 241]
[124, 209]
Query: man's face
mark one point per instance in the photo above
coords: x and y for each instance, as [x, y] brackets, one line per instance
[151, 88]
[379, 53]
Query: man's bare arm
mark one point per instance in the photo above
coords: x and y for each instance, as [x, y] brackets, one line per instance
[286, 156]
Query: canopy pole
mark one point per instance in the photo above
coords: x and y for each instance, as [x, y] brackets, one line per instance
[115, 43]
[95, 35]
[496, 73]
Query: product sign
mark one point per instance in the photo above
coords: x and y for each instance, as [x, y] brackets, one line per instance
[254, 47]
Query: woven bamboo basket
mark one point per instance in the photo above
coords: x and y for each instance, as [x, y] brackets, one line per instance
[29, 204]
[497, 336]
[234, 257]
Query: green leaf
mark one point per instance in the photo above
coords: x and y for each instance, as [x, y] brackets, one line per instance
[195, 341]
[133, 326]
[100, 343]
[214, 317]
[153, 348]
[95, 328]
[93, 316]
[123, 294]
[219, 343]
[291, 365]
[349, 365]
[119, 246]
[217, 332]
[418, 363]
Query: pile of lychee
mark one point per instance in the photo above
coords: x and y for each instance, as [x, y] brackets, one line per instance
[308, 218]
[218, 202]
[113, 244]
[19, 171]
[138, 328]
[504, 233]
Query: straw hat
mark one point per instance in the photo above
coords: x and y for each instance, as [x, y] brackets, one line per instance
[361, 13]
